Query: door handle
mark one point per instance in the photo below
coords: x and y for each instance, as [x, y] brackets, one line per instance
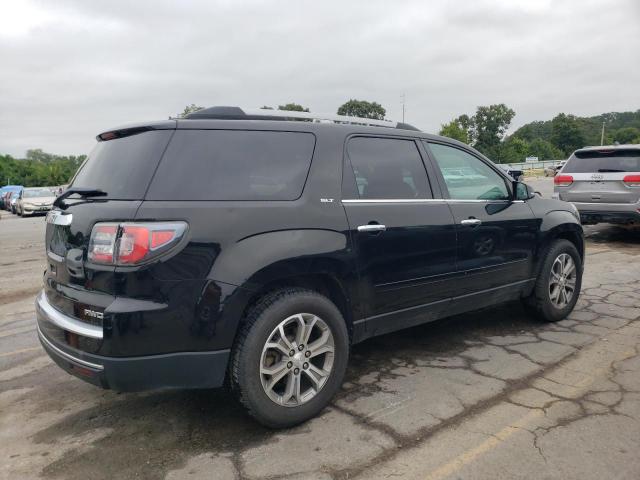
[471, 222]
[372, 228]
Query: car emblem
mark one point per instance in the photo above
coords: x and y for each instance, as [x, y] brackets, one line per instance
[56, 217]
[597, 176]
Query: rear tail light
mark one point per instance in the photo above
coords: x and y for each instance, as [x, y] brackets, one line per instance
[563, 180]
[133, 243]
[102, 244]
[632, 180]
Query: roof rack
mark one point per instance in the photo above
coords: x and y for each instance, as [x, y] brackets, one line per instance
[237, 113]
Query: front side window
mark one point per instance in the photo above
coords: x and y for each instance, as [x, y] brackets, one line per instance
[467, 177]
[387, 168]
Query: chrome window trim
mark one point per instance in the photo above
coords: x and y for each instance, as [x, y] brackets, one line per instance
[394, 200]
[425, 200]
[65, 322]
[67, 356]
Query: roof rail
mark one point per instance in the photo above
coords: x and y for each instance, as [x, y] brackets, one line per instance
[237, 113]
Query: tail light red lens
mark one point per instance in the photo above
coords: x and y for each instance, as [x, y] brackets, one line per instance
[632, 180]
[103, 242]
[563, 180]
[133, 243]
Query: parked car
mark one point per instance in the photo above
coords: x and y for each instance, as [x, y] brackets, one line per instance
[553, 169]
[5, 193]
[34, 200]
[4, 199]
[13, 199]
[515, 173]
[603, 183]
[283, 252]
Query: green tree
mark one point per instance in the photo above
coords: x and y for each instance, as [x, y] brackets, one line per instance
[458, 129]
[39, 156]
[189, 109]
[512, 150]
[566, 133]
[363, 109]
[544, 150]
[293, 107]
[45, 170]
[626, 135]
[489, 126]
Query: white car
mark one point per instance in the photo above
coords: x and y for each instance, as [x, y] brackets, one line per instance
[34, 200]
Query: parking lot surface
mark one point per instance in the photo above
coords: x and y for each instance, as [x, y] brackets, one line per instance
[492, 394]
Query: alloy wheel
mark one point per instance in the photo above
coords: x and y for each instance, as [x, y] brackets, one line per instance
[297, 359]
[562, 280]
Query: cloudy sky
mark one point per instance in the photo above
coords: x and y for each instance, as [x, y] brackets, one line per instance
[70, 69]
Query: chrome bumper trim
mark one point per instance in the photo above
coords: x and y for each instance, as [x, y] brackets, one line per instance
[66, 356]
[65, 322]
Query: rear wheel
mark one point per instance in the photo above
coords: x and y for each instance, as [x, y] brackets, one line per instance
[558, 284]
[290, 357]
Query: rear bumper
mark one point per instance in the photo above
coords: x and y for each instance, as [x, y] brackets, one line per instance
[127, 374]
[620, 213]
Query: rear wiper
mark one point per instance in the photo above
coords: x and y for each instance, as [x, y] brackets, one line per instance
[83, 192]
[609, 170]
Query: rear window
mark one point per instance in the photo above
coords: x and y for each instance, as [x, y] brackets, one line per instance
[603, 161]
[233, 165]
[123, 167]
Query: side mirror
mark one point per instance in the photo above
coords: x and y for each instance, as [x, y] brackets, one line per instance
[522, 191]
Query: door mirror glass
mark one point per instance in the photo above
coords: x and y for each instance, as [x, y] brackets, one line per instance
[522, 191]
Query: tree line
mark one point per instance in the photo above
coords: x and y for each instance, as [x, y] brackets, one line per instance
[485, 130]
[39, 169]
[548, 140]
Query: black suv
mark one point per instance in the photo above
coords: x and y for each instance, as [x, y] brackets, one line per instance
[254, 248]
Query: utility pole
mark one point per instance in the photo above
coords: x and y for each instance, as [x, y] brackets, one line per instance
[602, 135]
[403, 100]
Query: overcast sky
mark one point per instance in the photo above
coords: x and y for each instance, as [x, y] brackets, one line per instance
[71, 69]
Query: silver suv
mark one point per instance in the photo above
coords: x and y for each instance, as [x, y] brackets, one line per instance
[603, 183]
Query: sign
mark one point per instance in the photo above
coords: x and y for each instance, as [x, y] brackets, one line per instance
[531, 159]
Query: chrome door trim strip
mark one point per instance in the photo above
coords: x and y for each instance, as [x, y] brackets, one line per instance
[395, 200]
[424, 200]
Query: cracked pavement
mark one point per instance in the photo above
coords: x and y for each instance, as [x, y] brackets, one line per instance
[491, 394]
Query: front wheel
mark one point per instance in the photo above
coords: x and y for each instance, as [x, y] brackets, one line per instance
[558, 284]
[290, 357]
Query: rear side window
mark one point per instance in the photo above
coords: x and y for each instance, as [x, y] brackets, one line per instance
[233, 165]
[623, 160]
[123, 167]
[387, 168]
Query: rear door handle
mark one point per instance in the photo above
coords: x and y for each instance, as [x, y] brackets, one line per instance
[471, 222]
[372, 228]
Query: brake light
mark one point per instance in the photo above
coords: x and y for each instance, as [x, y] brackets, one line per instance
[102, 243]
[563, 180]
[133, 243]
[632, 180]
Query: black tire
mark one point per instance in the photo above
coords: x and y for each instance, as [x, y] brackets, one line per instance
[539, 302]
[263, 318]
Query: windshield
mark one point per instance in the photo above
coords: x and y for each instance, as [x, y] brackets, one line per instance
[623, 160]
[40, 192]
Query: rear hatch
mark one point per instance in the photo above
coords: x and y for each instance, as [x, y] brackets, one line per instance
[121, 166]
[601, 176]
